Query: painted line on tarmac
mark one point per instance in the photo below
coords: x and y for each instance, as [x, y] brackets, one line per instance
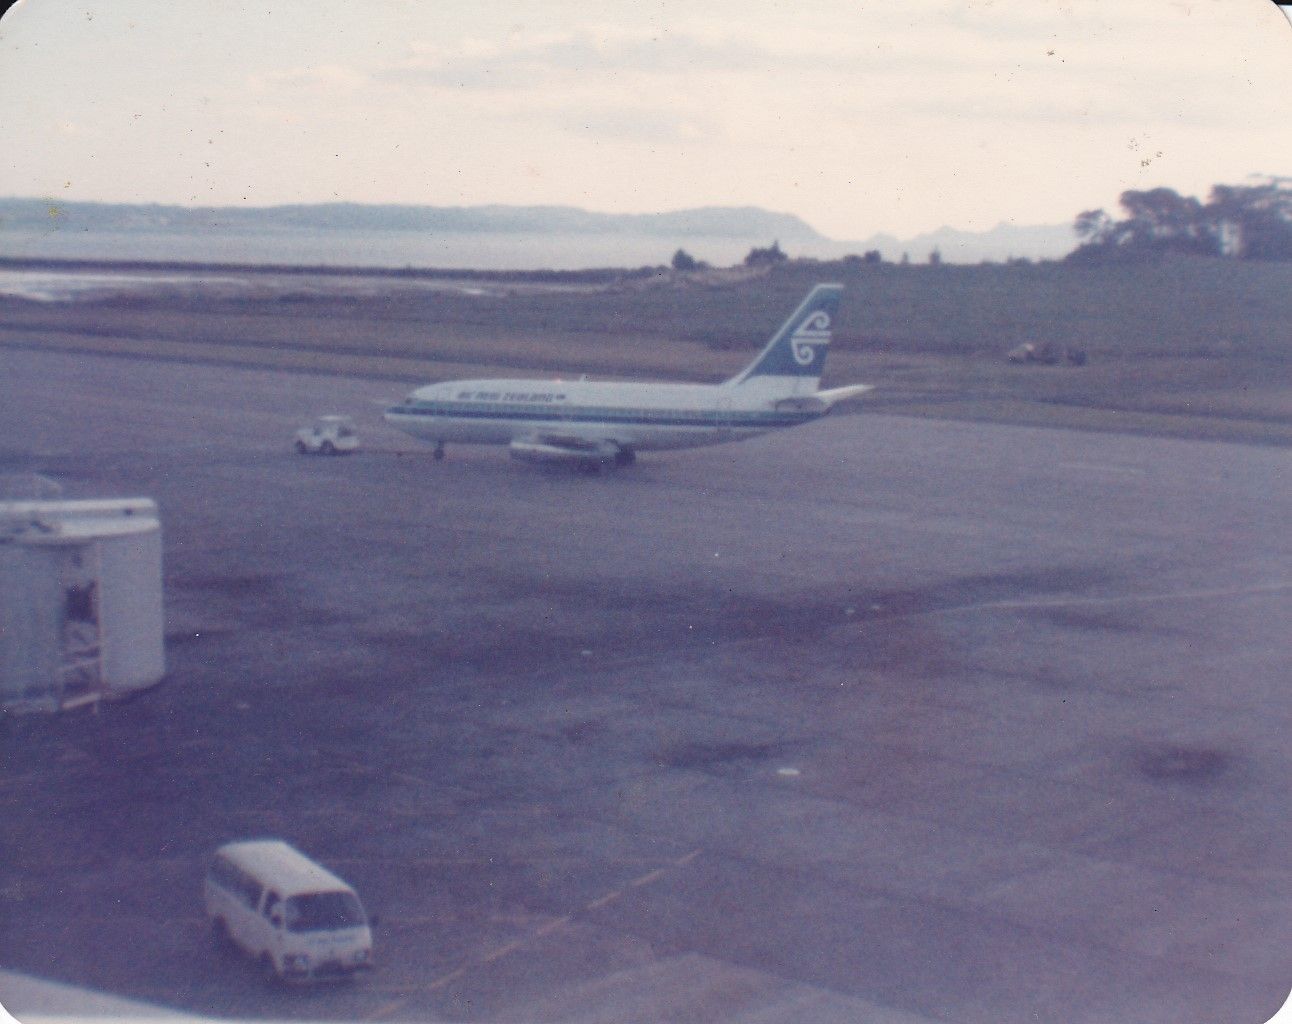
[507, 948]
[554, 925]
[446, 979]
[1100, 467]
[1203, 594]
[407, 995]
[385, 1009]
[602, 901]
[502, 951]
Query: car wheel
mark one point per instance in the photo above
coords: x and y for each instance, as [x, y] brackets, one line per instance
[328, 448]
[300, 448]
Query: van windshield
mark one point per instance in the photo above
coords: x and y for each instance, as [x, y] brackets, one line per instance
[323, 912]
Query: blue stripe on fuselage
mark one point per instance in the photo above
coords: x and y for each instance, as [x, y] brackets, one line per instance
[605, 414]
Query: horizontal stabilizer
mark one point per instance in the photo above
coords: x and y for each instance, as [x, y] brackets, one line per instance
[821, 401]
[836, 395]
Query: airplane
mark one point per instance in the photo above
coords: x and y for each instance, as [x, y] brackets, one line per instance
[605, 423]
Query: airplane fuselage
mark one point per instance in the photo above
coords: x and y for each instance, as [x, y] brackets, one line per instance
[640, 417]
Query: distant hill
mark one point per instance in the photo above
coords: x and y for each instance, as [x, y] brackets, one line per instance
[711, 221]
[36, 227]
[1033, 242]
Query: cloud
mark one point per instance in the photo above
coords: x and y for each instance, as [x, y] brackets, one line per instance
[605, 51]
[1030, 98]
[637, 124]
[322, 79]
[940, 50]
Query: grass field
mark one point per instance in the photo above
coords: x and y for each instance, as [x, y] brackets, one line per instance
[1189, 347]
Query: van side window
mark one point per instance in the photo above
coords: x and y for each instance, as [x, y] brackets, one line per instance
[236, 882]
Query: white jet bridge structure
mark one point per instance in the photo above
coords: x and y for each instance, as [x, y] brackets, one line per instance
[80, 602]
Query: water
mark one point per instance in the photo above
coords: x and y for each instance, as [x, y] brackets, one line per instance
[474, 250]
[76, 285]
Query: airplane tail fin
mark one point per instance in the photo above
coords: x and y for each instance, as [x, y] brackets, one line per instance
[792, 362]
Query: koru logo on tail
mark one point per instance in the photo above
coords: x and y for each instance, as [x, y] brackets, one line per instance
[814, 331]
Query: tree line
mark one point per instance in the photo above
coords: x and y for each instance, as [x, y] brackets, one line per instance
[1248, 222]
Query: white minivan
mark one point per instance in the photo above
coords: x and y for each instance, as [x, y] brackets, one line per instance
[297, 919]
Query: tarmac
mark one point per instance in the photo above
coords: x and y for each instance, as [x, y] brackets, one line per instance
[878, 719]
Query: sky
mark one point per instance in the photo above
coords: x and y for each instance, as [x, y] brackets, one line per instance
[858, 116]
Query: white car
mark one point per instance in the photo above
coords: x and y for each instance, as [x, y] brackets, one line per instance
[330, 435]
